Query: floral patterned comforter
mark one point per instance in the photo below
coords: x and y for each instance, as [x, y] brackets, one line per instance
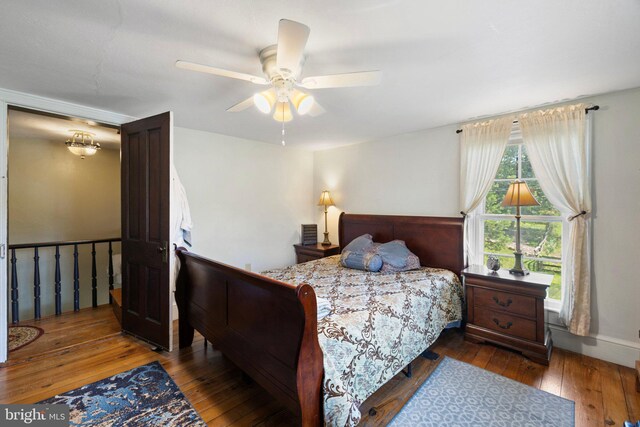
[378, 323]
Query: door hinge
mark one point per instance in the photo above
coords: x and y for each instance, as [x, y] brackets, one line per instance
[3, 251]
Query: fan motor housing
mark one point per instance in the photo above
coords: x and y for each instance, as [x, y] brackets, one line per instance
[269, 61]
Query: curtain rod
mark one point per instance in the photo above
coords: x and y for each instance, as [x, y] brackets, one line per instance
[586, 111]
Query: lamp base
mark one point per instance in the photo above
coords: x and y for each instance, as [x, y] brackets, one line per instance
[326, 241]
[518, 269]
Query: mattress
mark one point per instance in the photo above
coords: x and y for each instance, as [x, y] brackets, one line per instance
[378, 323]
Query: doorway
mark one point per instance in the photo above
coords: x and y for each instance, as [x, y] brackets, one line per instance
[146, 128]
[64, 231]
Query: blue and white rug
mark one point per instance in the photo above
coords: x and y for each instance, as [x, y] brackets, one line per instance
[143, 396]
[459, 394]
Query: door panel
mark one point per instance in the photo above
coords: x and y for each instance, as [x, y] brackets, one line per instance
[131, 290]
[146, 153]
[153, 296]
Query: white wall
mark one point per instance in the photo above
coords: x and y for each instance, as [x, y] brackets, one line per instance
[418, 174]
[410, 174]
[56, 196]
[247, 198]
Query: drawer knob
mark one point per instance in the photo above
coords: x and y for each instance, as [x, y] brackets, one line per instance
[507, 326]
[502, 303]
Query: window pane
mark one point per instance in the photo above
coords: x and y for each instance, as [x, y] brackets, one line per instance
[541, 239]
[494, 199]
[527, 170]
[499, 236]
[509, 164]
[545, 207]
[553, 268]
[537, 239]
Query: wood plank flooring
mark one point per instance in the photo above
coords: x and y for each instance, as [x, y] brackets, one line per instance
[66, 331]
[59, 361]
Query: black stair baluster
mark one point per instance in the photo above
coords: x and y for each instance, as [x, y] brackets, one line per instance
[76, 279]
[36, 283]
[57, 283]
[15, 315]
[94, 279]
[110, 272]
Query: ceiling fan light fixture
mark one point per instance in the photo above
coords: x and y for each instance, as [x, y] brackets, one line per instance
[263, 101]
[303, 102]
[282, 112]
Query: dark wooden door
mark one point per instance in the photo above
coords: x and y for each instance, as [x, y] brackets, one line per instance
[146, 302]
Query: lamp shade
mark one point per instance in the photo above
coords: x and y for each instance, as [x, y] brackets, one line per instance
[282, 112]
[264, 101]
[325, 199]
[518, 194]
[302, 101]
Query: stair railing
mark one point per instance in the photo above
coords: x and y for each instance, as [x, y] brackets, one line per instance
[15, 303]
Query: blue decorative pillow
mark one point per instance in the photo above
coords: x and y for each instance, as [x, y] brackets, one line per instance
[360, 244]
[366, 261]
[396, 257]
[360, 254]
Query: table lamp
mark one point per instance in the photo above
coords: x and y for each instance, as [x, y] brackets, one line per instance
[518, 195]
[326, 201]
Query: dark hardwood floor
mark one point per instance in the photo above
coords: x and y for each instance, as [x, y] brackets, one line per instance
[79, 348]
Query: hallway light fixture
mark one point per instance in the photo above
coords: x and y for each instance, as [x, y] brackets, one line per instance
[81, 143]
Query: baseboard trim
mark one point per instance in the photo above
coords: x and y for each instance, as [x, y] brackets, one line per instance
[603, 347]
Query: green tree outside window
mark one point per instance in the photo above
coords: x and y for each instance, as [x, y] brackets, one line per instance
[541, 226]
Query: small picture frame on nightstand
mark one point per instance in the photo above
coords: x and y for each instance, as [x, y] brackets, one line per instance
[309, 234]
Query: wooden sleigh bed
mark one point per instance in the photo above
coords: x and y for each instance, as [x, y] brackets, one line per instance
[268, 328]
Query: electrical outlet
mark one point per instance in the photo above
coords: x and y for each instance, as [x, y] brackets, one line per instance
[247, 266]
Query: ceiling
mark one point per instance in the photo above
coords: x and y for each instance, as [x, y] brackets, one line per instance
[443, 62]
[25, 125]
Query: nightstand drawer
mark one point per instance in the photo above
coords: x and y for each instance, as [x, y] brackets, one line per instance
[304, 258]
[306, 253]
[505, 301]
[505, 323]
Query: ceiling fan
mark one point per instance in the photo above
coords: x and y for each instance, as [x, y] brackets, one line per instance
[282, 66]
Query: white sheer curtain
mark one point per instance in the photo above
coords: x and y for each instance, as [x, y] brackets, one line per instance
[557, 146]
[481, 148]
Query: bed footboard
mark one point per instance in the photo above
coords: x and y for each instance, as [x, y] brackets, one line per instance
[266, 327]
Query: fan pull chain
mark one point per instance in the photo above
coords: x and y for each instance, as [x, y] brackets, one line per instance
[283, 143]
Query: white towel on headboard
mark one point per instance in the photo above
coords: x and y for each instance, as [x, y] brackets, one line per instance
[180, 222]
[181, 215]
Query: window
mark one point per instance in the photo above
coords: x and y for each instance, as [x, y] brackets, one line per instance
[541, 226]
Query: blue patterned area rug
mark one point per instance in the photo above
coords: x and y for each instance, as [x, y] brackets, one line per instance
[143, 396]
[459, 394]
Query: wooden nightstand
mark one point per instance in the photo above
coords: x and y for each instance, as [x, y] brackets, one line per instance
[317, 251]
[508, 310]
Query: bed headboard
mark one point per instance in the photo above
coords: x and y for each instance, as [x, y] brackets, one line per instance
[437, 241]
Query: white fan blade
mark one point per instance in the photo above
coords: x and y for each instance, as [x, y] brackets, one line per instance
[316, 110]
[292, 38]
[363, 78]
[241, 105]
[220, 72]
